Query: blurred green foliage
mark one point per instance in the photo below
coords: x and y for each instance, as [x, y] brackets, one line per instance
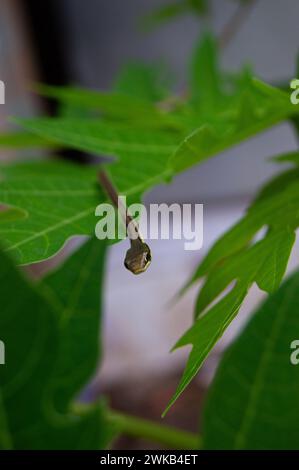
[253, 401]
[52, 348]
[142, 81]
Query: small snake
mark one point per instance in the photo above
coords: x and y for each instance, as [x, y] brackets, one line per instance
[138, 256]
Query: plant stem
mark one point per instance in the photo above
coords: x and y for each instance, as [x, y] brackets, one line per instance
[165, 435]
[235, 23]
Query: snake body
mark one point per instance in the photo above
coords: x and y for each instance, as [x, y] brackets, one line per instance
[138, 256]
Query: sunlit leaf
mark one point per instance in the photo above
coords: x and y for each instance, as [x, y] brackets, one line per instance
[119, 106]
[205, 86]
[59, 200]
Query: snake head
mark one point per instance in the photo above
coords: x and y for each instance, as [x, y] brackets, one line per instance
[138, 257]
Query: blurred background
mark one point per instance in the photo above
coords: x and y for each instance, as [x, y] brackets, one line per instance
[88, 43]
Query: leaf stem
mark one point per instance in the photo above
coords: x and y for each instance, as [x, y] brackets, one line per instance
[165, 435]
[235, 22]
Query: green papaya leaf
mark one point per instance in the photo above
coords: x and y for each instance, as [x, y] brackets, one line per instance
[290, 157]
[164, 14]
[101, 138]
[78, 310]
[253, 401]
[142, 81]
[198, 6]
[205, 86]
[15, 140]
[265, 264]
[119, 106]
[144, 158]
[36, 355]
[11, 214]
[58, 200]
[266, 107]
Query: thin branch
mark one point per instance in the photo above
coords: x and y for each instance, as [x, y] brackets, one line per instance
[235, 23]
[130, 223]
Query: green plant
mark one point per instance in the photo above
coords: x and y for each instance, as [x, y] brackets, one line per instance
[153, 135]
[253, 402]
